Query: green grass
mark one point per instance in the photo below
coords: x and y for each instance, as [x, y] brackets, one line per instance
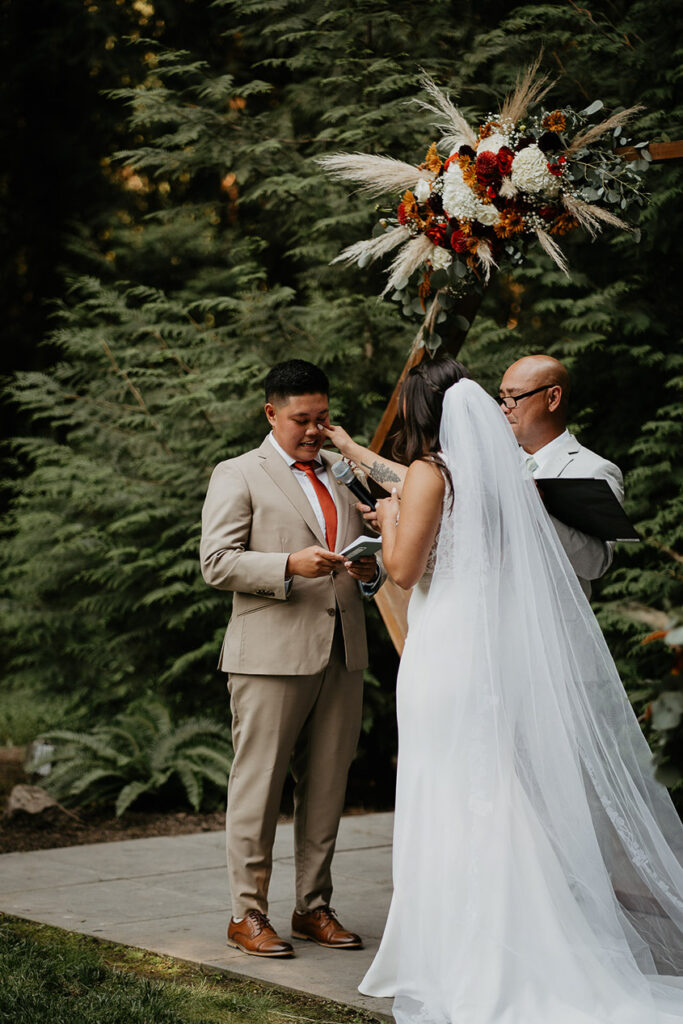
[50, 976]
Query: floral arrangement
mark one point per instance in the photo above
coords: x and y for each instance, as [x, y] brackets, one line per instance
[520, 177]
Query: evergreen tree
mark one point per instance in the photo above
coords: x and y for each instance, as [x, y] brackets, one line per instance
[214, 263]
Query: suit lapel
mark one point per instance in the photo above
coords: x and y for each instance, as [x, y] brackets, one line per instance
[562, 458]
[340, 499]
[281, 475]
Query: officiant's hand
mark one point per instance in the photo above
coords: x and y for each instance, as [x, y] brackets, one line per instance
[363, 569]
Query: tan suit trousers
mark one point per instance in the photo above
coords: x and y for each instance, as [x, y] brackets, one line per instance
[312, 722]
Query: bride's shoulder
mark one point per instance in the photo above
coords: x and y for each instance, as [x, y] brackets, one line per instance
[425, 474]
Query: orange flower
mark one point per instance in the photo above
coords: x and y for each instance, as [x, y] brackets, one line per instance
[424, 291]
[659, 634]
[555, 122]
[564, 224]
[409, 205]
[510, 222]
[432, 161]
[488, 129]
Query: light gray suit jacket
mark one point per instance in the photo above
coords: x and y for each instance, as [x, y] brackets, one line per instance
[589, 556]
[255, 515]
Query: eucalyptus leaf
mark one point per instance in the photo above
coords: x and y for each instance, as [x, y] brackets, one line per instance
[460, 269]
[612, 196]
[401, 284]
[647, 155]
[592, 108]
[637, 235]
[667, 710]
[439, 279]
[397, 297]
[378, 230]
[590, 195]
[461, 323]
[441, 316]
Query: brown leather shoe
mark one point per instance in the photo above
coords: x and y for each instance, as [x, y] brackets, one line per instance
[255, 935]
[321, 926]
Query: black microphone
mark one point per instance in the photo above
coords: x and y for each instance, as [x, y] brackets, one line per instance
[345, 475]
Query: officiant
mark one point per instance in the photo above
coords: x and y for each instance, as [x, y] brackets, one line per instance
[534, 395]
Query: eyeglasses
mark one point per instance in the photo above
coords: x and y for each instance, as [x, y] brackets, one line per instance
[510, 401]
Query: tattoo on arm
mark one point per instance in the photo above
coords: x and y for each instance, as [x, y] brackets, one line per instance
[381, 473]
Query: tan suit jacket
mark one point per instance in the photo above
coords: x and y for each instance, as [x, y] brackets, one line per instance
[255, 515]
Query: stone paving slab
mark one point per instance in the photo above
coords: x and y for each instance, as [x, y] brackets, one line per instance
[169, 895]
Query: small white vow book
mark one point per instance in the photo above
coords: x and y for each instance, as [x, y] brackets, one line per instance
[361, 547]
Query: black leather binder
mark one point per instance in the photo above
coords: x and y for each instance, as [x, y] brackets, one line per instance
[588, 505]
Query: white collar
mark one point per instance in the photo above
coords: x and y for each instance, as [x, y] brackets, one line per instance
[316, 463]
[544, 454]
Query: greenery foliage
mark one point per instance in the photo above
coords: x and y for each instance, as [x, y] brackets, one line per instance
[140, 754]
[211, 262]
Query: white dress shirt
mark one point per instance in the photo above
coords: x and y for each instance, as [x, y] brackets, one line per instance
[305, 482]
[367, 589]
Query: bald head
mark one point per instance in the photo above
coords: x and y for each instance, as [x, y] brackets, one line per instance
[542, 416]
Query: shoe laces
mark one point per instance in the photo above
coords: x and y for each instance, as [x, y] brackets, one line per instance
[326, 914]
[260, 920]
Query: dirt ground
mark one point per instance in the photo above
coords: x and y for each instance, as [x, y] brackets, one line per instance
[53, 828]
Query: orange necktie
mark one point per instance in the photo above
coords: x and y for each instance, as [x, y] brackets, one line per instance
[326, 502]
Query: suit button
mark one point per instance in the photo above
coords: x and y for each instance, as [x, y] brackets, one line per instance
[331, 611]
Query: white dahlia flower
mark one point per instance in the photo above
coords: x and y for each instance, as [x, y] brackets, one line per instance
[422, 190]
[440, 258]
[460, 201]
[530, 172]
[458, 198]
[492, 144]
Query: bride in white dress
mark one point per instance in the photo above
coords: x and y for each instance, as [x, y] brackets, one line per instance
[537, 863]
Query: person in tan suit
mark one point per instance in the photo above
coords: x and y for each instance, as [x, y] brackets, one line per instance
[273, 523]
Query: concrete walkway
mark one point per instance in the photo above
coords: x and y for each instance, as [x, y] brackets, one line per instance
[169, 895]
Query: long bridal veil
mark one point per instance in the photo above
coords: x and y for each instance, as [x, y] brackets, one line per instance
[537, 863]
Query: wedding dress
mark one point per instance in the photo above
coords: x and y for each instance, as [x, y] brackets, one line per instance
[537, 863]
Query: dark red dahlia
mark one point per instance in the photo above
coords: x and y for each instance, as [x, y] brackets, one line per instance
[435, 203]
[459, 241]
[505, 158]
[487, 168]
[401, 214]
[467, 151]
[436, 233]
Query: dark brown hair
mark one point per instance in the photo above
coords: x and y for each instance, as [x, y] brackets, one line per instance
[419, 409]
